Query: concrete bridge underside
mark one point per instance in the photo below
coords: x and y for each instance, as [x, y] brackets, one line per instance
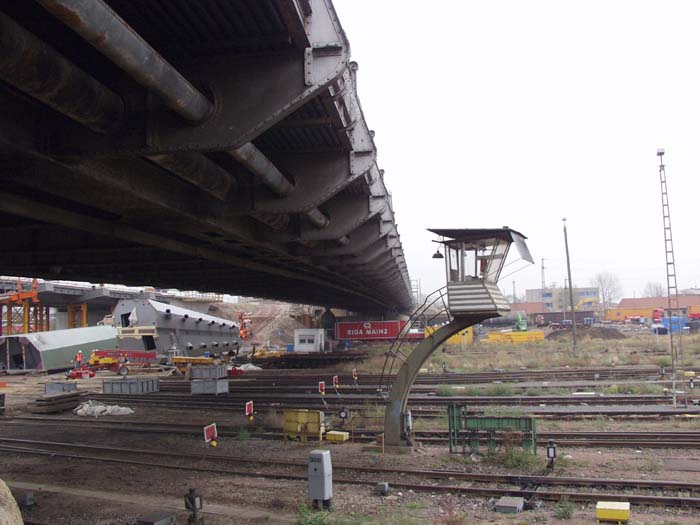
[216, 145]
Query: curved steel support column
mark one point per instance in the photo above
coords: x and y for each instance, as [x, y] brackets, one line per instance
[398, 398]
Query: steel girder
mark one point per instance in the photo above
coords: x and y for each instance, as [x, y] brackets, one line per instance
[151, 160]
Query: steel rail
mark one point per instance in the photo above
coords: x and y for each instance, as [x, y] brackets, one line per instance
[226, 404]
[430, 473]
[682, 501]
[571, 439]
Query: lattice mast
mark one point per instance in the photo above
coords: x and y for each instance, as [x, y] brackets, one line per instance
[675, 344]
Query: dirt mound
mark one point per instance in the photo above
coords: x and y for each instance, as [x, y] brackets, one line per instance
[272, 321]
[592, 333]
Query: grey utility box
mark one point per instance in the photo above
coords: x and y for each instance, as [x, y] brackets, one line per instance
[510, 505]
[60, 387]
[320, 478]
[131, 385]
[209, 386]
[208, 372]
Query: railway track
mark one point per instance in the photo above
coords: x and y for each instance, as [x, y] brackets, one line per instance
[684, 440]
[559, 406]
[420, 480]
[269, 377]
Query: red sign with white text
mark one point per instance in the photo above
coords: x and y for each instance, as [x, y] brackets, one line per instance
[364, 330]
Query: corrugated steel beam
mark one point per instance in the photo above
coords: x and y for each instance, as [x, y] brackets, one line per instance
[15, 205]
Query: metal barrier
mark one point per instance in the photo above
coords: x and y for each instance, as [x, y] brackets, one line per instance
[468, 431]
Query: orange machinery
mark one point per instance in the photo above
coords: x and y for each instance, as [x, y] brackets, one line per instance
[20, 311]
[245, 330]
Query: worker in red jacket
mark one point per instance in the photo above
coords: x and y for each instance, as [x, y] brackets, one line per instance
[79, 359]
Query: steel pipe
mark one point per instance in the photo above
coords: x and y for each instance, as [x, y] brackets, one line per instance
[263, 168]
[38, 70]
[317, 218]
[107, 32]
[198, 170]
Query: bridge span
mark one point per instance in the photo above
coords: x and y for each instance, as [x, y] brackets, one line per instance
[216, 145]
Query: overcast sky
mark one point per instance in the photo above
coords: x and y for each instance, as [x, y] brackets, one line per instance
[515, 113]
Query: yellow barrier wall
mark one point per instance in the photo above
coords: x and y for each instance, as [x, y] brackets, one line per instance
[514, 337]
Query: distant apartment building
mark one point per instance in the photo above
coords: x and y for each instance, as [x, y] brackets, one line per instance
[555, 299]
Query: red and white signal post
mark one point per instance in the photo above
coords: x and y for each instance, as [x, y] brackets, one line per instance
[249, 410]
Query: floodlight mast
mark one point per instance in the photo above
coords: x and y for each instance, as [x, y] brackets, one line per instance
[675, 347]
[571, 288]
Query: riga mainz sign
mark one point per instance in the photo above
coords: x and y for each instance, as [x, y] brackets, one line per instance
[368, 329]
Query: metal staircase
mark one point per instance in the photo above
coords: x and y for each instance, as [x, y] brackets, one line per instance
[433, 307]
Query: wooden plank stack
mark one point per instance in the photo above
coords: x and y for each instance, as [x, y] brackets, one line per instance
[58, 402]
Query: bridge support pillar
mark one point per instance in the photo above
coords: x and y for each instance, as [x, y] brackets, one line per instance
[394, 417]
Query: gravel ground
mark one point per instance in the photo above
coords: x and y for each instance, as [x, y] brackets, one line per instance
[145, 489]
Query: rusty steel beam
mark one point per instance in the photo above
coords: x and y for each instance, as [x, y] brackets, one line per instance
[38, 70]
[107, 32]
[198, 170]
[264, 169]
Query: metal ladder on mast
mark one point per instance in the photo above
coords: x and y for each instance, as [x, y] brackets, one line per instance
[675, 344]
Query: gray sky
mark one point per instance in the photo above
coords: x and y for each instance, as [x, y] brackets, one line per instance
[517, 113]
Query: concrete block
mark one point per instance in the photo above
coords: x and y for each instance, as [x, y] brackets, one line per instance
[157, 518]
[131, 385]
[208, 372]
[510, 505]
[59, 387]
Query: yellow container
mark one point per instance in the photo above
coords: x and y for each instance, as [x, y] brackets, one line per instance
[618, 511]
[465, 337]
[303, 424]
[689, 373]
[336, 435]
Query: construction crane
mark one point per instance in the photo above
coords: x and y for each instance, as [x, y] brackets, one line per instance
[20, 311]
[675, 344]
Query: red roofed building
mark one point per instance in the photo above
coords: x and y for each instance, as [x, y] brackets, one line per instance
[645, 306]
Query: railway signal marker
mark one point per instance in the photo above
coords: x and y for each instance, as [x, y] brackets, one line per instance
[249, 411]
[322, 388]
[210, 434]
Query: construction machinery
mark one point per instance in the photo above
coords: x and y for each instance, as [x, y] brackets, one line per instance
[245, 324]
[119, 361]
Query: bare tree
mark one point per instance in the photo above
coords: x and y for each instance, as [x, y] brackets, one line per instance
[654, 290]
[609, 288]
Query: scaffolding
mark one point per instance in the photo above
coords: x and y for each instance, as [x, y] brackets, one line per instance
[21, 312]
